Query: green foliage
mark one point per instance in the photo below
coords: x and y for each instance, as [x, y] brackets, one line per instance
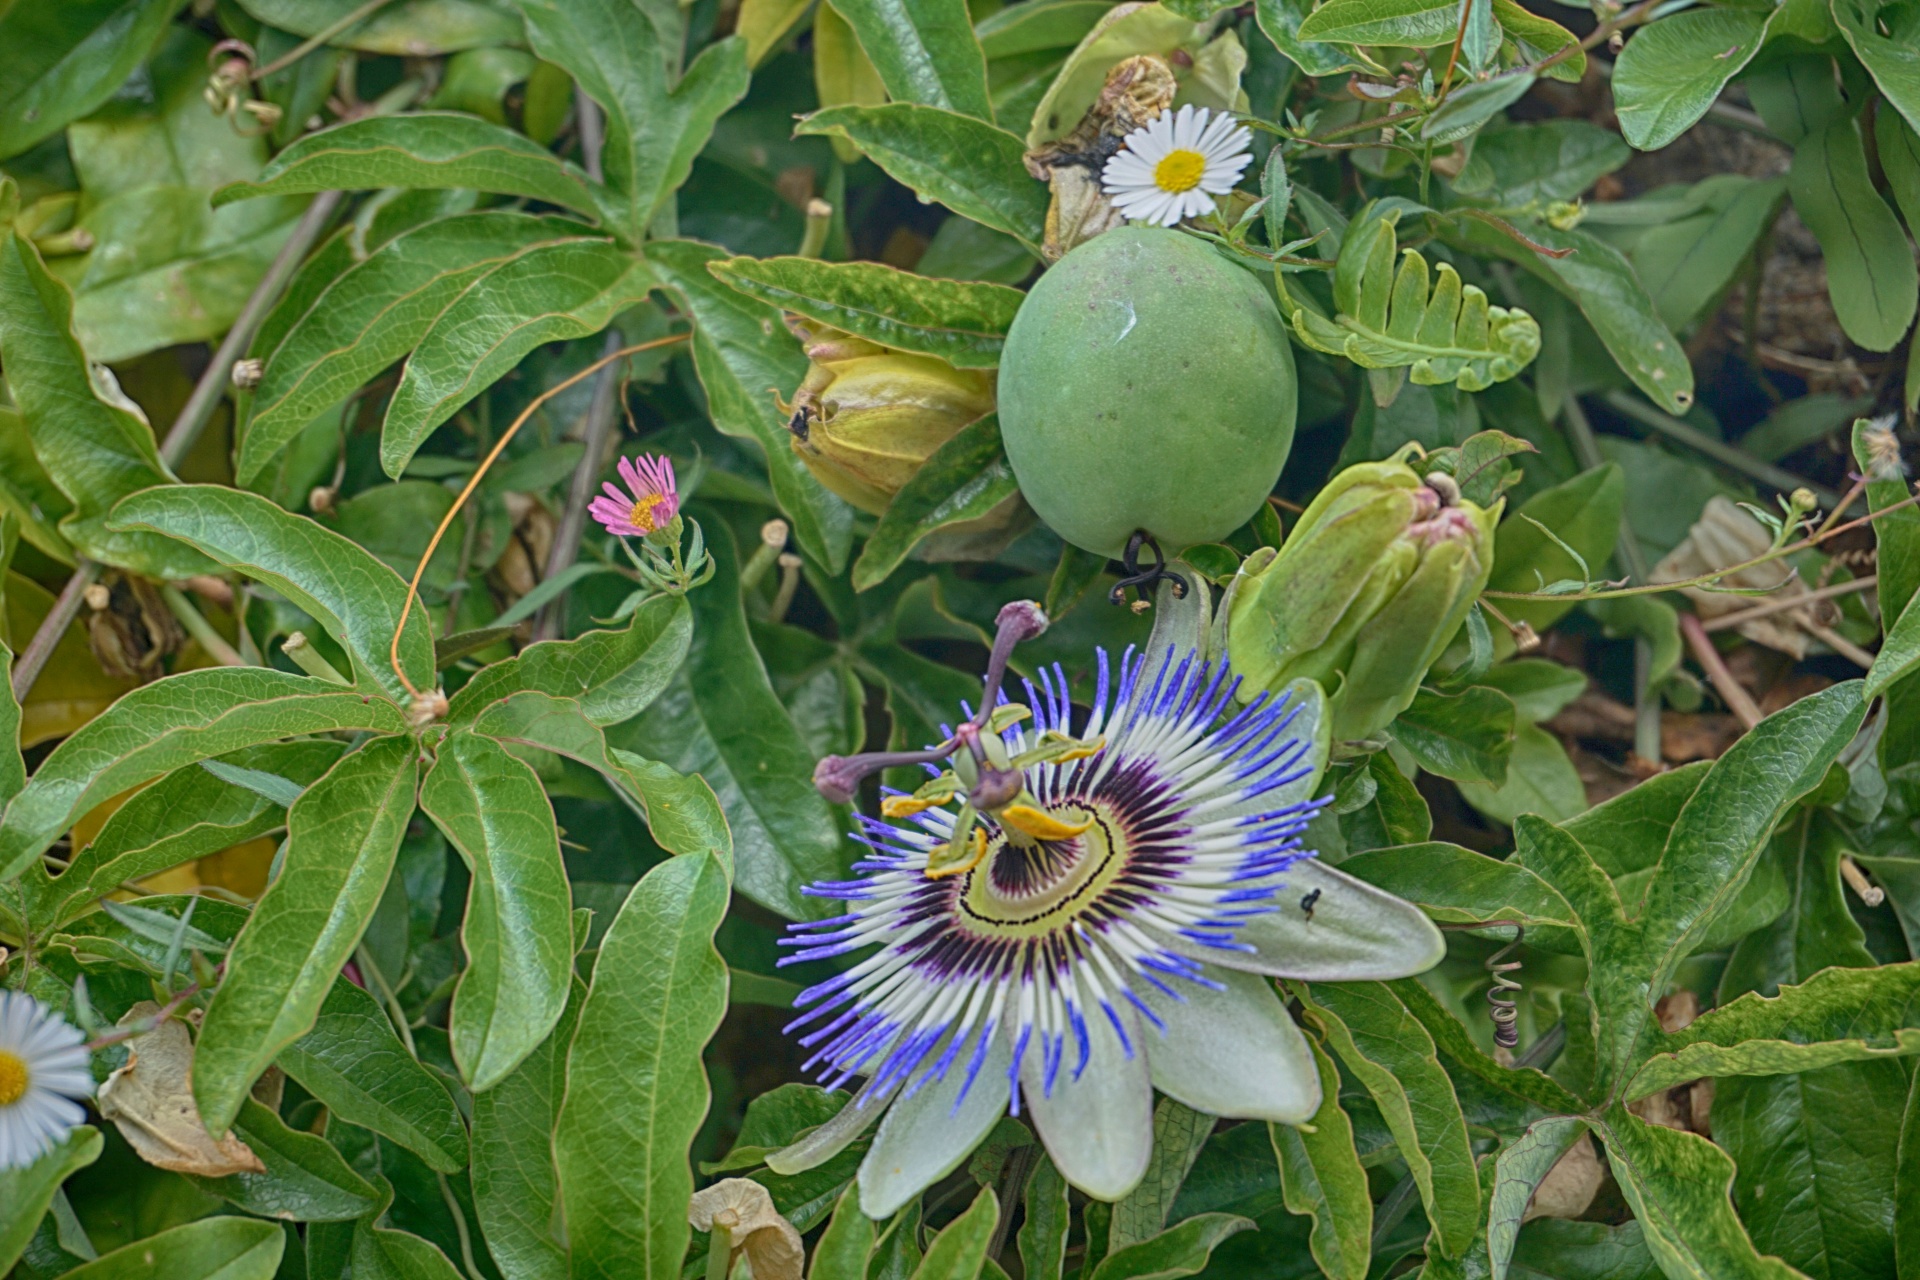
[476, 919]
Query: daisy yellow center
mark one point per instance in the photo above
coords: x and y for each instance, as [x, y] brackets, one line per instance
[1179, 171]
[642, 515]
[13, 1078]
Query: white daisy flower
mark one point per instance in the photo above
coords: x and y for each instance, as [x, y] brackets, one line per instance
[1173, 166]
[43, 1071]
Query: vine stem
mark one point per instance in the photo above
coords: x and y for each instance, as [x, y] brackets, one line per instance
[1731, 691]
[1708, 579]
[473, 482]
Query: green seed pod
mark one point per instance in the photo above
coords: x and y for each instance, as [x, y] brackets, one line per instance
[867, 416]
[1368, 590]
[1146, 383]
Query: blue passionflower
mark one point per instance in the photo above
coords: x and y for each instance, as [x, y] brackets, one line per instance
[1099, 917]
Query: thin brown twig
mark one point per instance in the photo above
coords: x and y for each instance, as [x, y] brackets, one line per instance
[473, 482]
[1731, 691]
[1727, 621]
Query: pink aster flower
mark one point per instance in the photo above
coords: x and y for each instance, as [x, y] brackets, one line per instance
[650, 503]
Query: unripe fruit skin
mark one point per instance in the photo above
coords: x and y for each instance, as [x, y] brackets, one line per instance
[1146, 383]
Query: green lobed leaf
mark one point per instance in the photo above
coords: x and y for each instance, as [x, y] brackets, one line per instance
[959, 1252]
[1677, 1186]
[1467, 736]
[1673, 70]
[1183, 1250]
[1906, 1228]
[218, 1248]
[1871, 280]
[1837, 1015]
[552, 292]
[1472, 1071]
[1043, 1232]
[1890, 57]
[744, 357]
[721, 719]
[1629, 832]
[924, 50]
[1391, 1054]
[964, 322]
[1583, 513]
[1178, 1134]
[657, 120]
[681, 810]
[363, 318]
[414, 29]
[1396, 23]
[1321, 1177]
[967, 478]
[612, 675]
[636, 1091]
[60, 61]
[1457, 885]
[356, 1066]
[515, 1185]
[306, 1180]
[1725, 824]
[1602, 283]
[517, 932]
[93, 441]
[186, 815]
[1899, 653]
[420, 149]
[845, 1246]
[165, 725]
[1443, 332]
[383, 1254]
[966, 164]
[1518, 1172]
[342, 835]
[341, 585]
[27, 1190]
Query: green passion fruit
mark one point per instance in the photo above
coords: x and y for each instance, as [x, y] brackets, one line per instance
[1146, 384]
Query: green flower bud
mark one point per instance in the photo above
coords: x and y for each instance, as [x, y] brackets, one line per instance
[867, 416]
[1367, 591]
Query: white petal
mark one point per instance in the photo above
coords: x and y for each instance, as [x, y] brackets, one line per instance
[1187, 126]
[1233, 1053]
[924, 1138]
[1099, 1128]
[831, 1138]
[1355, 931]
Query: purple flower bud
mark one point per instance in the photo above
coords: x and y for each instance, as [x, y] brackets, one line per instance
[1020, 620]
[838, 778]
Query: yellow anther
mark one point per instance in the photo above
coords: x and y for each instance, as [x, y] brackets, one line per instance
[1040, 824]
[939, 870]
[907, 806]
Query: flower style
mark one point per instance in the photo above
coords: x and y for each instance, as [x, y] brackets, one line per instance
[1099, 918]
[1174, 165]
[650, 504]
[43, 1072]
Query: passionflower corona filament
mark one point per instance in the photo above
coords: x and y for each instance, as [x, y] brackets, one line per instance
[1099, 917]
[650, 503]
[43, 1074]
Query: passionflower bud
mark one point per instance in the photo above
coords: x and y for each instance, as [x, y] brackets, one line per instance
[867, 416]
[1370, 587]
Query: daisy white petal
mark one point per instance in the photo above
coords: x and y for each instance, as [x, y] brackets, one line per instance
[1186, 157]
[43, 1074]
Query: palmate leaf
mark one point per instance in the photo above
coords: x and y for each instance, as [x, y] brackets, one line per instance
[1440, 330]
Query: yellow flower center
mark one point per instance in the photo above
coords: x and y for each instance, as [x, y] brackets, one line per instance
[642, 515]
[13, 1078]
[1179, 171]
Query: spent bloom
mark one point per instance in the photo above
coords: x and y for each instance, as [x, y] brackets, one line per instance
[1099, 917]
[649, 504]
[43, 1073]
[1174, 165]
